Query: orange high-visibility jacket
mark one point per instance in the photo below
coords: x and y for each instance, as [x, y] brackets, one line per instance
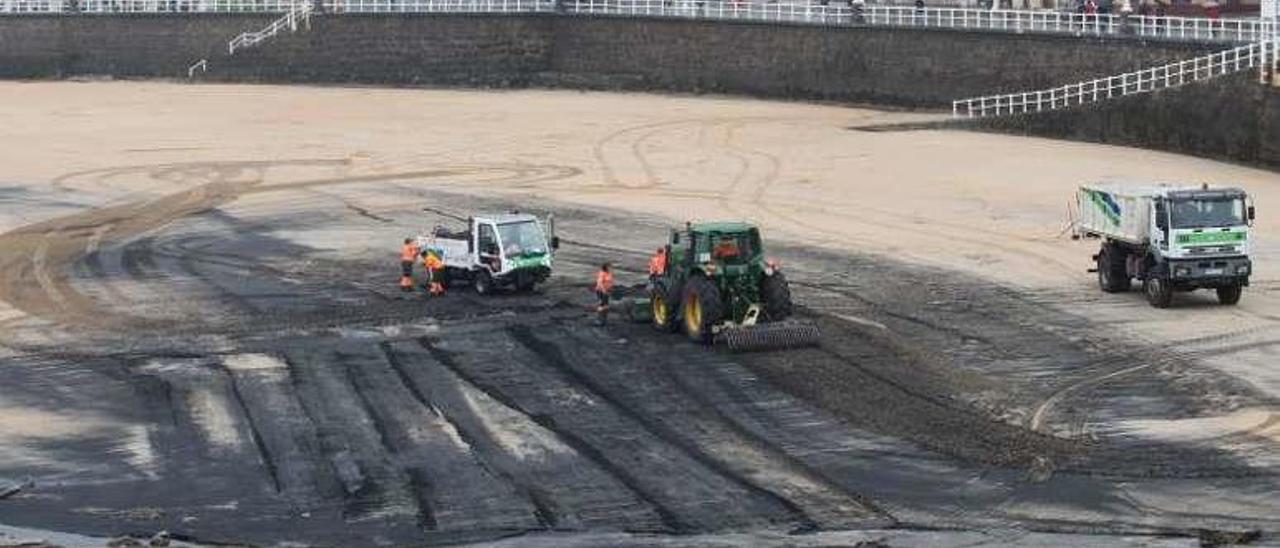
[604, 282]
[658, 264]
[409, 252]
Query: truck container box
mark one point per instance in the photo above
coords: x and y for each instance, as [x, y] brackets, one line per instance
[1117, 211]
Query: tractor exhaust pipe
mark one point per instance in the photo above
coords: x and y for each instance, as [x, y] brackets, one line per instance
[770, 336]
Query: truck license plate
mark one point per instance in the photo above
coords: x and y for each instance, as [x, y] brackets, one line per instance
[1213, 272]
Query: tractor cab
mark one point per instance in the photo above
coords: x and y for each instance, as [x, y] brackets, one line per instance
[729, 248]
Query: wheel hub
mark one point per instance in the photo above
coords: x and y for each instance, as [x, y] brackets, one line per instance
[693, 316]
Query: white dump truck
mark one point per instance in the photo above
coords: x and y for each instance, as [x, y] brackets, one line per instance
[1171, 238]
[509, 250]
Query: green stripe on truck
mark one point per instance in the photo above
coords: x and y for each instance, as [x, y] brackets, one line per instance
[1211, 237]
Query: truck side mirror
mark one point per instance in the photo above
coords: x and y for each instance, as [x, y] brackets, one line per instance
[1249, 213]
[555, 242]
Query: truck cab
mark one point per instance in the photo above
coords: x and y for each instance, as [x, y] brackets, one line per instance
[495, 251]
[1200, 239]
[1202, 224]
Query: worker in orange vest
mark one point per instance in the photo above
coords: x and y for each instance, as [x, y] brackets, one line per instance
[435, 272]
[657, 265]
[408, 254]
[604, 289]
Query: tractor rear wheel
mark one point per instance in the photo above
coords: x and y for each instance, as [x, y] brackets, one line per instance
[664, 308]
[701, 309]
[777, 297]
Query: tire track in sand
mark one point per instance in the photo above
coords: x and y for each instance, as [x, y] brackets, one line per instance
[44, 251]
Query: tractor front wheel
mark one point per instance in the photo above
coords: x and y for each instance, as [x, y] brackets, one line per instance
[777, 297]
[701, 309]
[483, 282]
[664, 308]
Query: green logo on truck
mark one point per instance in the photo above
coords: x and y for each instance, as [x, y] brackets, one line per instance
[1197, 238]
[1110, 209]
[530, 262]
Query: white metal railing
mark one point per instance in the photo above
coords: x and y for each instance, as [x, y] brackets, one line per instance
[32, 6]
[833, 13]
[201, 65]
[1261, 55]
[439, 6]
[183, 6]
[301, 11]
[373, 6]
[1017, 21]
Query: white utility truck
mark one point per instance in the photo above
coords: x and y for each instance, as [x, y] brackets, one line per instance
[506, 250]
[1171, 238]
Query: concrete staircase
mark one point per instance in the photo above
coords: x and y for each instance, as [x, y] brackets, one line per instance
[299, 14]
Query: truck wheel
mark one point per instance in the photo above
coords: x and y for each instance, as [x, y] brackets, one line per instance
[483, 282]
[664, 308]
[777, 297]
[1158, 291]
[1229, 295]
[701, 309]
[1112, 275]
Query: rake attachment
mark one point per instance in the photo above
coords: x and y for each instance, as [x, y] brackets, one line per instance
[770, 336]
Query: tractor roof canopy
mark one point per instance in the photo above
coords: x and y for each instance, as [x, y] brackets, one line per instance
[506, 218]
[723, 227]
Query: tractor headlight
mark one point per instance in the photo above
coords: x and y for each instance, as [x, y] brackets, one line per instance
[1181, 272]
[1242, 269]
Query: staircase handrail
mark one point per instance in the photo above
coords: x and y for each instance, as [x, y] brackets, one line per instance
[301, 11]
[1148, 80]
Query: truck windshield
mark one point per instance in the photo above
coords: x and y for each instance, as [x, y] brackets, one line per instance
[1217, 212]
[522, 238]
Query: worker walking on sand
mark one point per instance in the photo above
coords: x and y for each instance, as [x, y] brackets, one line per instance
[657, 265]
[435, 272]
[603, 288]
[408, 254]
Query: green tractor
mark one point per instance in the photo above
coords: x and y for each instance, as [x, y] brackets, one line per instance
[718, 285]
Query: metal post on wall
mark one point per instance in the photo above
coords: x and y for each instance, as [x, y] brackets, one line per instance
[1263, 47]
[1273, 51]
[1273, 45]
